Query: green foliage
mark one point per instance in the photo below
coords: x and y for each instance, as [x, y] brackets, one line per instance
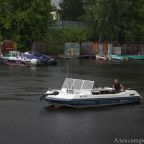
[24, 21]
[71, 10]
[120, 20]
[58, 37]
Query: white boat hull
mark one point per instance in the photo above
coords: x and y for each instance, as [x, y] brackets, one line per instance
[93, 102]
[90, 100]
[98, 57]
[79, 93]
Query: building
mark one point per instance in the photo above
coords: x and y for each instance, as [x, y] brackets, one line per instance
[56, 10]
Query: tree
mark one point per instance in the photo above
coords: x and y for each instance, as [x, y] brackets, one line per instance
[58, 37]
[24, 21]
[115, 19]
[71, 9]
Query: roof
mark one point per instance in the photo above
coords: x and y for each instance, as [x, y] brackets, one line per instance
[56, 3]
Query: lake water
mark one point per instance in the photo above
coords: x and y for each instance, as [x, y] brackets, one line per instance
[26, 120]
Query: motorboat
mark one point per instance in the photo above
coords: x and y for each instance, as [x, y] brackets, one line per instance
[119, 57]
[80, 93]
[101, 57]
[29, 58]
[41, 58]
[19, 59]
[136, 57]
[13, 58]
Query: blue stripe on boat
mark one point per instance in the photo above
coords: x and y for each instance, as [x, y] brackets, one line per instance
[94, 102]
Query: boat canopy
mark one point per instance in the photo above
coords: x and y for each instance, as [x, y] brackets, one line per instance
[77, 84]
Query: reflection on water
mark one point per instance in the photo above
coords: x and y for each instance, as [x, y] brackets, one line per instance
[51, 108]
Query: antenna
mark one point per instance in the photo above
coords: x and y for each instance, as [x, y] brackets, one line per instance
[67, 75]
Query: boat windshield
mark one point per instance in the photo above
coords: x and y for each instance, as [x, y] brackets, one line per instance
[77, 84]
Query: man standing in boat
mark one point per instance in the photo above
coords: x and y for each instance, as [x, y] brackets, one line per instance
[117, 86]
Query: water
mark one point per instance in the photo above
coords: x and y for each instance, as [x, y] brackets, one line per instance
[26, 120]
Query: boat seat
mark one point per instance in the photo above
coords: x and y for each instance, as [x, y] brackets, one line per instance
[101, 92]
[105, 92]
[96, 93]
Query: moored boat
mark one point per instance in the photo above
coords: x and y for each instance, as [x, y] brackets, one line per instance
[41, 58]
[13, 58]
[80, 93]
[119, 57]
[16, 58]
[136, 57]
[101, 57]
[13, 62]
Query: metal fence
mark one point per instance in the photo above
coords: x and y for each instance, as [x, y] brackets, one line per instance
[129, 49]
[93, 48]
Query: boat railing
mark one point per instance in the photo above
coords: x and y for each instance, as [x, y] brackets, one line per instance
[75, 91]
